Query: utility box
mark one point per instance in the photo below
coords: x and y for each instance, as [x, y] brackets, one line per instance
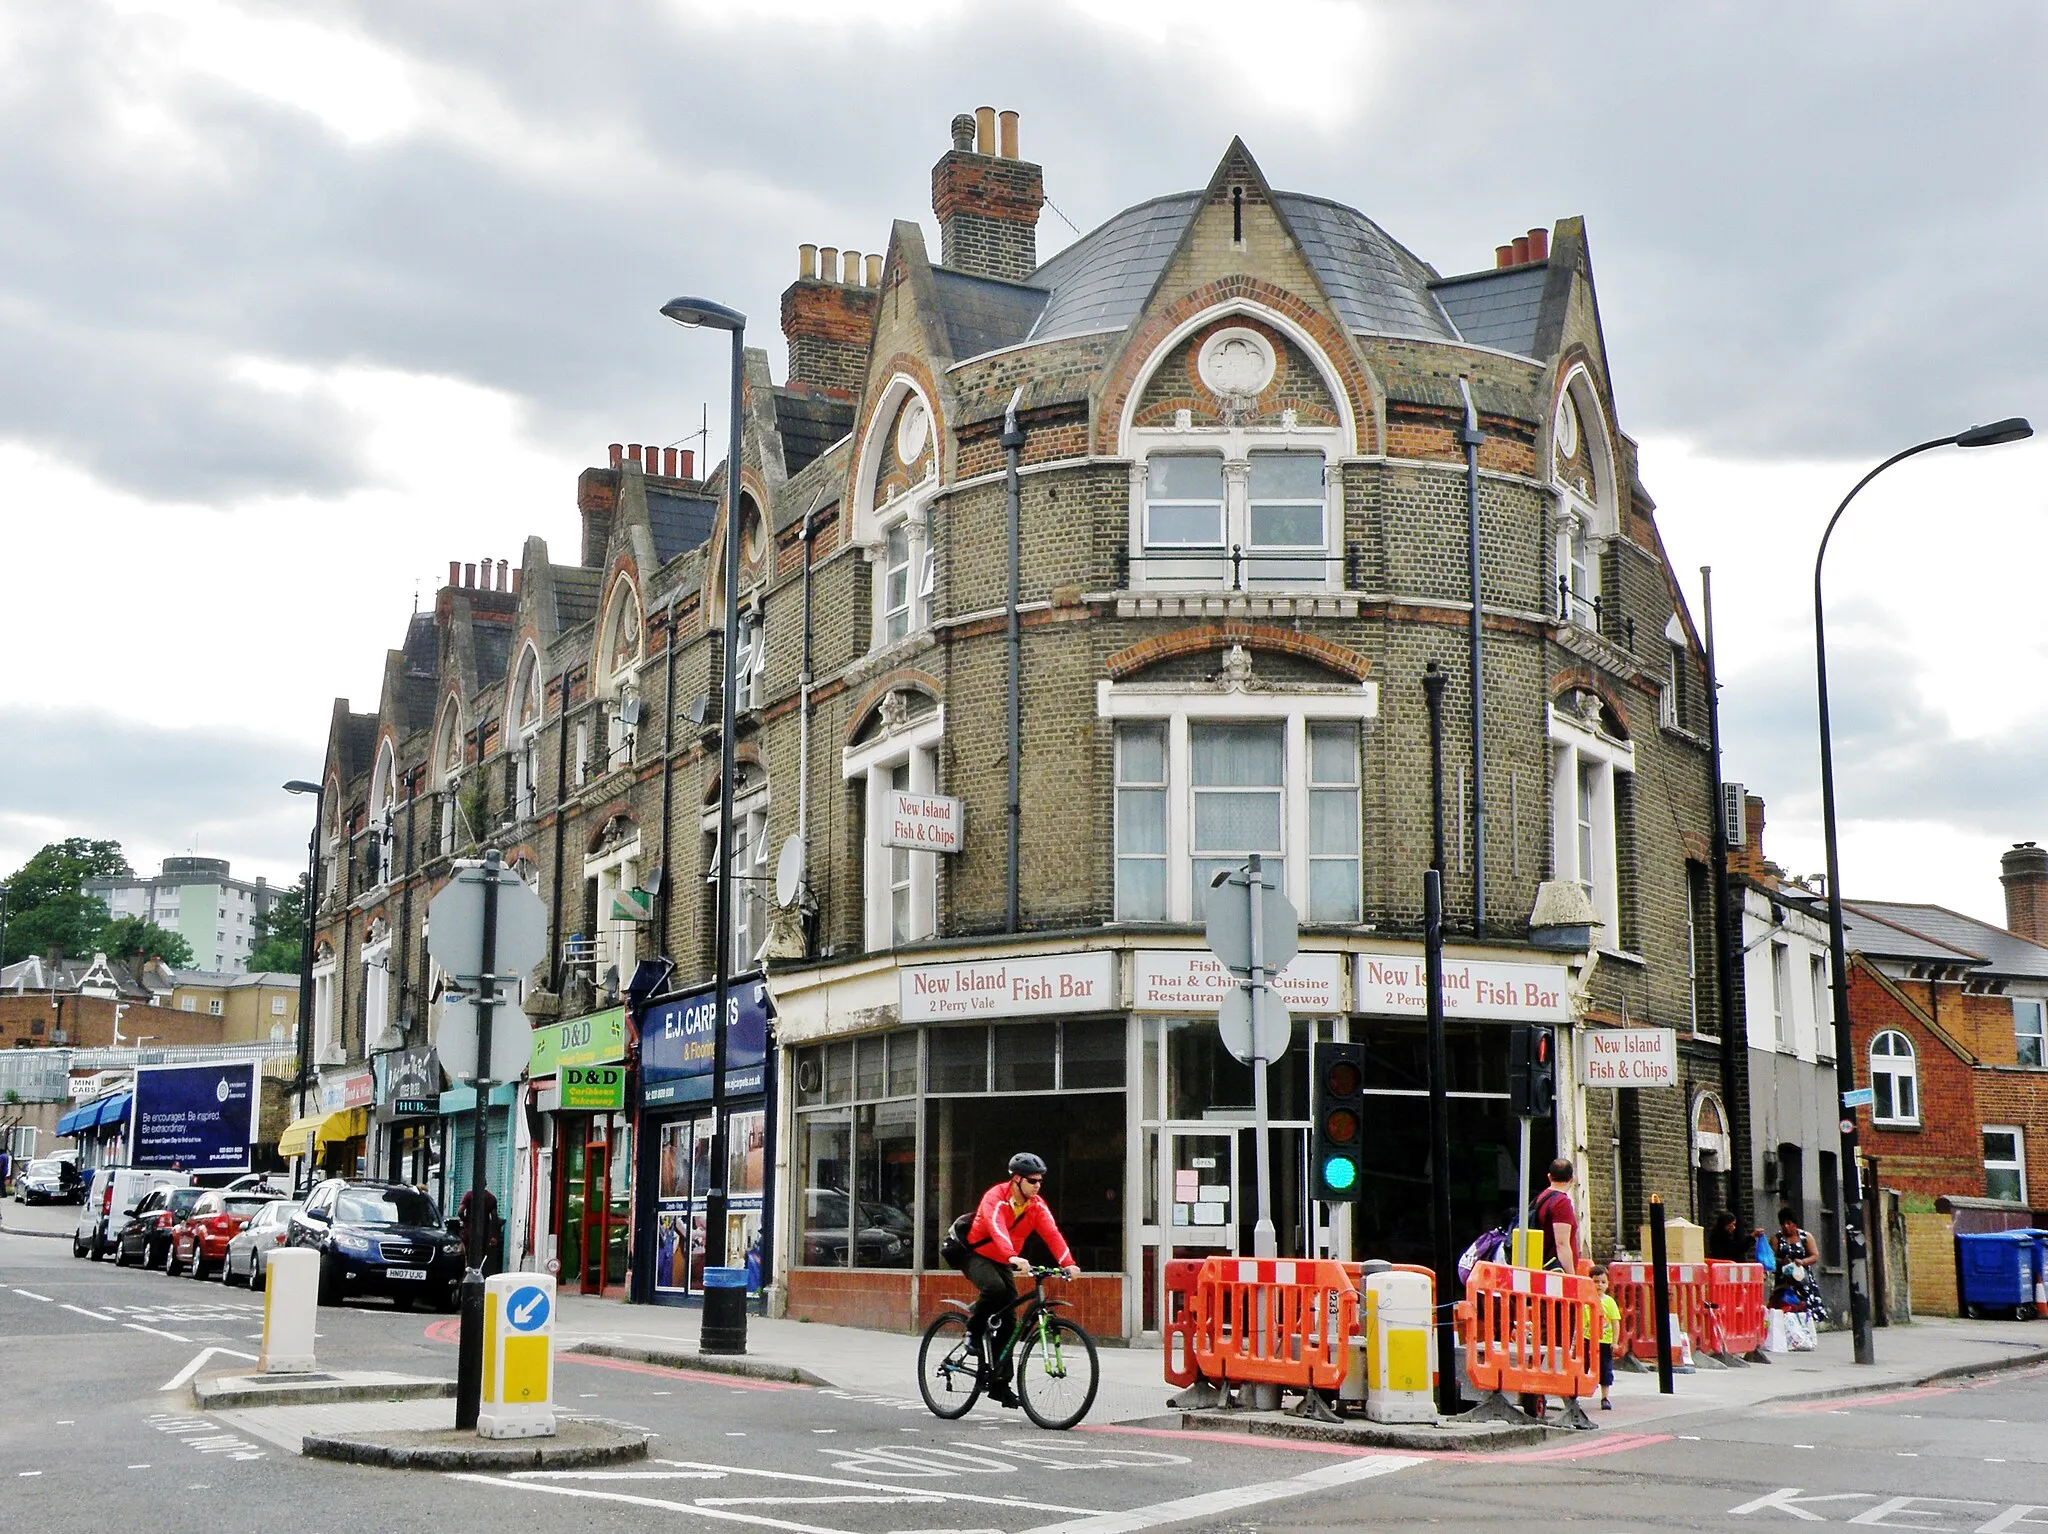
[1683, 1241]
[291, 1309]
[1400, 1381]
[518, 1396]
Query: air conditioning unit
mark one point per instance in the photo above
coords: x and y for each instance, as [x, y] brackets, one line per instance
[1734, 824]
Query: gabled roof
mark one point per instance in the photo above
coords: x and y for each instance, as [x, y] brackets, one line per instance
[1997, 951]
[810, 422]
[982, 314]
[493, 643]
[576, 594]
[1497, 308]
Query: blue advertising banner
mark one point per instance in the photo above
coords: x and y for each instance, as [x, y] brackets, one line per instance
[676, 1045]
[195, 1118]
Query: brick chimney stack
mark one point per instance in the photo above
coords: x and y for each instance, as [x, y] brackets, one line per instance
[2024, 873]
[987, 199]
[828, 317]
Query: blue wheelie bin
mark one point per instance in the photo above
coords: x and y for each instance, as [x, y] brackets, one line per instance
[1997, 1271]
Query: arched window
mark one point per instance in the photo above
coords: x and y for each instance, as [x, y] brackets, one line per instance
[383, 809]
[619, 673]
[330, 844]
[527, 709]
[899, 475]
[1894, 1080]
[1582, 470]
[448, 775]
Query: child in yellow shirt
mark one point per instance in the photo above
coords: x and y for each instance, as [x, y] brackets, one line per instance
[1610, 1329]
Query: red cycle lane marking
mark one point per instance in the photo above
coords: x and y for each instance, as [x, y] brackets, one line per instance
[1620, 1444]
[1847, 1403]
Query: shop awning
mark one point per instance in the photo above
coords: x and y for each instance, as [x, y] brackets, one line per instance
[114, 1110]
[69, 1123]
[302, 1136]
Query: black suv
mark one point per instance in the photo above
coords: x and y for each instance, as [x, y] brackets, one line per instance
[146, 1238]
[379, 1238]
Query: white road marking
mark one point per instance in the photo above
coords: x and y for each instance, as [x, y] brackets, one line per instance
[138, 1467]
[927, 1498]
[1788, 1498]
[24, 1474]
[30, 1294]
[81, 1311]
[656, 1502]
[852, 1485]
[137, 1326]
[185, 1374]
[1208, 1504]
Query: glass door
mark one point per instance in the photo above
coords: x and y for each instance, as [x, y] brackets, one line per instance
[571, 1223]
[1201, 1188]
[596, 1160]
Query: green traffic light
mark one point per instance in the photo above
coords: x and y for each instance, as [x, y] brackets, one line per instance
[1339, 1172]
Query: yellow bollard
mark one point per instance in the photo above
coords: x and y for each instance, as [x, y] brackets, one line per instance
[517, 1399]
[291, 1309]
[1525, 1248]
[1400, 1381]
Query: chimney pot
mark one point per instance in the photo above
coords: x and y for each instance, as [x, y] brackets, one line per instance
[618, 452]
[504, 566]
[1503, 255]
[874, 271]
[828, 263]
[633, 454]
[668, 462]
[1521, 249]
[455, 572]
[689, 459]
[1006, 123]
[469, 577]
[806, 263]
[516, 574]
[2024, 873]
[963, 131]
[985, 130]
[852, 268]
[1539, 244]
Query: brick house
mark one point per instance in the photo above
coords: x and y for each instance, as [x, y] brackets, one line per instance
[1947, 1015]
[1230, 422]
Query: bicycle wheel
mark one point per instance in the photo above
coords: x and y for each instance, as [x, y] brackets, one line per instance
[1057, 1374]
[948, 1367]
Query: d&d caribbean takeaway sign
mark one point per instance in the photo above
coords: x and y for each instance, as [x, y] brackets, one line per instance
[599, 1039]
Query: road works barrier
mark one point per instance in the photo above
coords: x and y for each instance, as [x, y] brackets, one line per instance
[1269, 1322]
[1740, 1292]
[1183, 1274]
[1530, 1333]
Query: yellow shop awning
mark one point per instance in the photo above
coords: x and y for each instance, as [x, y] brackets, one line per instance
[302, 1136]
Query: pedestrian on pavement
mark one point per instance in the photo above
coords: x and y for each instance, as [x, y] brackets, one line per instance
[1797, 1288]
[1610, 1331]
[1726, 1242]
[490, 1218]
[1554, 1215]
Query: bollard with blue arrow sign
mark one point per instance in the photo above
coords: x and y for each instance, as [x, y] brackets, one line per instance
[516, 1399]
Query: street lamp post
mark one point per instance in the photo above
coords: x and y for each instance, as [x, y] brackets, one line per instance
[714, 316]
[299, 786]
[2013, 429]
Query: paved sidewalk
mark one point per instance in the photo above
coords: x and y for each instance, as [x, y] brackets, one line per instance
[885, 1363]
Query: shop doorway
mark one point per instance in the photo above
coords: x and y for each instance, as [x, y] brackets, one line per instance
[1201, 1187]
[593, 1210]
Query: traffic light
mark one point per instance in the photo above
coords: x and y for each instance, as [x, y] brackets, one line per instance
[1532, 1072]
[1337, 1077]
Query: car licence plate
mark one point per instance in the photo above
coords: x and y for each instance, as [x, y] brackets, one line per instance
[417, 1274]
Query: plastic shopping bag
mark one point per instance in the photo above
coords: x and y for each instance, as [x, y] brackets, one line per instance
[1774, 1332]
[1764, 1254]
[1800, 1333]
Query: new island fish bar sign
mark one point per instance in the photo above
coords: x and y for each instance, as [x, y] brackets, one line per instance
[1395, 983]
[1013, 987]
[1628, 1057]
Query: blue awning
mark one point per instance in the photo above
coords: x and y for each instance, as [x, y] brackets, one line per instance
[114, 1110]
[68, 1124]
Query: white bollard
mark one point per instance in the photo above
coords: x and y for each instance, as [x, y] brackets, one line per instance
[1400, 1383]
[291, 1307]
[517, 1399]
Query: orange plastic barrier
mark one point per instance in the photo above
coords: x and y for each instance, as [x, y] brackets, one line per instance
[1274, 1322]
[1633, 1285]
[1529, 1332]
[1740, 1290]
[1183, 1274]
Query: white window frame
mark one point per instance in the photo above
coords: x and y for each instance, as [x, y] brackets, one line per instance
[907, 515]
[1572, 746]
[1892, 1069]
[1785, 1027]
[915, 745]
[1210, 566]
[618, 942]
[749, 867]
[1177, 708]
[1823, 1006]
[326, 1047]
[621, 671]
[1587, 513]
[448, 766]
[383, 811]
[532, 708]
[2037, 1035]
[377, 990]
[2017, 1164]
[750, 661]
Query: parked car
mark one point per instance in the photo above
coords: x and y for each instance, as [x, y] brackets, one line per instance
[51, 1180]
[883, 1240]
[145, 1239]
[200, 1243]
[379, 1238]
[116, 1190]
[249, 1250]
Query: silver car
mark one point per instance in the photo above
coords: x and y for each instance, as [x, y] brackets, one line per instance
[250, 1248]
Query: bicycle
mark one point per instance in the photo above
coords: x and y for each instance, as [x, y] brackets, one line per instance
[1056, 1369]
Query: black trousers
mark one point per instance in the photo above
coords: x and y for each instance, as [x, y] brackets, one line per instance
[995, 1311]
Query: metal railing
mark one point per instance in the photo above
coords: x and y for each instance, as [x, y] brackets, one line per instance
[1237, 568]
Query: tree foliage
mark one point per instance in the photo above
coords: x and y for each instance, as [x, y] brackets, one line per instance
[46, 907]
[281, 932]
[135, 941]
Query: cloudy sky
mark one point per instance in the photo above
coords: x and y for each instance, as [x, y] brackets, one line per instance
[300, 301]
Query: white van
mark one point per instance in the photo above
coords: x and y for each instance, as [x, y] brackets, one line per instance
[115, 1191]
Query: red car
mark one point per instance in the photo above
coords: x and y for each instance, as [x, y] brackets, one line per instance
[200, 1242]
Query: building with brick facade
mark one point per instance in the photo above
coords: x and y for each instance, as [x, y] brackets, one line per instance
[1947, 1013]
[1226, 434]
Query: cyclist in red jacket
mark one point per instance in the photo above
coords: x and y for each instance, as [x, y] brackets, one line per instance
[1008, 1213]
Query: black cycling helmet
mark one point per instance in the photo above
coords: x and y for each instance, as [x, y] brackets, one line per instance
[1024, 1164]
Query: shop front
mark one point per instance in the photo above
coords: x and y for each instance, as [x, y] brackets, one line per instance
[582, 1153]
[676, 1172]
[334, 1138]
[457, 1110]
[406, 1116]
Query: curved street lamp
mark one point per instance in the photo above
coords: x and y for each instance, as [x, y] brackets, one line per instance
[2012, 429]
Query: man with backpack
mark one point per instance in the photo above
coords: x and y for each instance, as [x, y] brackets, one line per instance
[1553, 1214]
[1007, 1215]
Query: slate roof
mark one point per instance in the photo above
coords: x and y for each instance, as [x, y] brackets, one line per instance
[982, 314]
[419, 645]
[678, 522]
[1869, 932]
[1497, 308]
[809, 423]
[1101, 281]
[2003, 952]
[576, 593]
[493, 651]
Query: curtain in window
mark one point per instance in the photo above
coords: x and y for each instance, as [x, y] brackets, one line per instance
[1238, 770]
[1141, 823]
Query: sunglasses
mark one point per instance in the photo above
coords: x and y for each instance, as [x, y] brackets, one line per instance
[1034, 1181]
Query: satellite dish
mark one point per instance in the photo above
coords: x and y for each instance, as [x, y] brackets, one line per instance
[789, 871]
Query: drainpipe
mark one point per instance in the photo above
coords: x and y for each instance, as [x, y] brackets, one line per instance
[1727, 943]
[561, 832]
[1013, 450]
[804, 685]
[1470, 435]
[668, 731]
